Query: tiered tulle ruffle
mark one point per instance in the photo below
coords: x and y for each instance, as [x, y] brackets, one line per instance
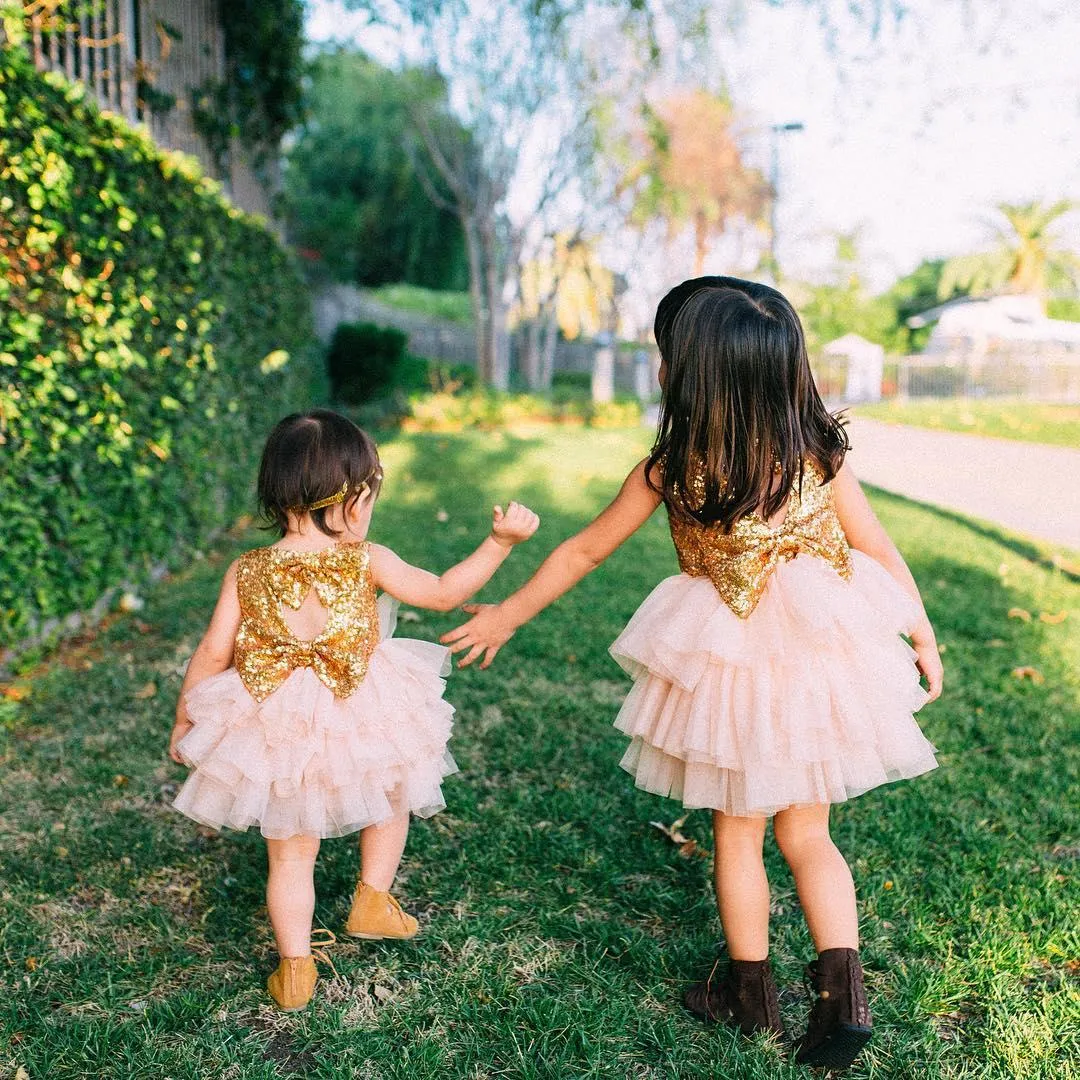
[809, 700]
[306, 763]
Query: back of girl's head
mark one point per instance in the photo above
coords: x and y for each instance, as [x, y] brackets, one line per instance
[738, 400]
[313, 456]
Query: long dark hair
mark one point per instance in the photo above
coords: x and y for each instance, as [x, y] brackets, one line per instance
[309, 457]
[738, 401]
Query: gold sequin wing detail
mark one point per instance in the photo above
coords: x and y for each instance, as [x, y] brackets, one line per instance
[267, 651]
[816, 528]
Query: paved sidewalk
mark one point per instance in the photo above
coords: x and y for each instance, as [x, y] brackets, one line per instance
[1027, 488]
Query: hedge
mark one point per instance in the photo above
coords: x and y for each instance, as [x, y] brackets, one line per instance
[150, 334]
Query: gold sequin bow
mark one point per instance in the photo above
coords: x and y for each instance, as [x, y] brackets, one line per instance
[739, 563]
[267, 651]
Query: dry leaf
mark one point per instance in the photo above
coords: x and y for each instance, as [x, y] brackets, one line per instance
[147, 691]
[119, 780]
[1019, 613]
[31, 963]
[690, 849]
[382, 993]
[1055, 619]
[1031, 673]
[672, 831]
[21, 1074]
[15, 693]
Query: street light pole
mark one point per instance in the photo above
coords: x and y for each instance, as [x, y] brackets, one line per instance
[774, 183]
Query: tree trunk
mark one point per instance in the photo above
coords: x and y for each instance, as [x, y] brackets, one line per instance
[547, 355]
[495, 365]
[477, 294]
[701, 243]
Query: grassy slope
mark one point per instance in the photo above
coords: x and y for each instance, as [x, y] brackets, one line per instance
[559, 927]
[1026, 421]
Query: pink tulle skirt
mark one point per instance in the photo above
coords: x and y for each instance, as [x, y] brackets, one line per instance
[305, 763]
[809, 700]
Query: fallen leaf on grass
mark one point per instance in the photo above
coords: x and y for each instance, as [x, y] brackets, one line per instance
[1055, 619]
[382, 993]
[1019, 613]
[15, 693]
[1031, 673]
[146, 691]
[31, 963]
[120, 780]
[673, 832]
[21, 1074]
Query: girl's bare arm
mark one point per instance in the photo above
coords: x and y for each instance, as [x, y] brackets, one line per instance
[493, 626]
[866, 534]
[212, 656]
[443, 592]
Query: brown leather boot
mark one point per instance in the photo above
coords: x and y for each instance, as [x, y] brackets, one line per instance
[293, 982]
[376, 915]
[839, 1025]
[744, 996]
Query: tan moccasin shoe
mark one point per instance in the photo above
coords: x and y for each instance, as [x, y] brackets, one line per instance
[377, 915]
[293, 983]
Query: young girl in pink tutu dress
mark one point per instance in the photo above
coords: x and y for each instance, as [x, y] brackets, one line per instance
[299, 712]
[770, 676]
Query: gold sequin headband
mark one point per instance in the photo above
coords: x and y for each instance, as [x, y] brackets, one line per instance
[338, 496]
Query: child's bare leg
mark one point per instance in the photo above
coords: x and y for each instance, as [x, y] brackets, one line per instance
[381, 848]
[742, 889]
[290, 892]
[822, 877]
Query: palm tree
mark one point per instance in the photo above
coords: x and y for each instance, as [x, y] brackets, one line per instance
[1027, 258]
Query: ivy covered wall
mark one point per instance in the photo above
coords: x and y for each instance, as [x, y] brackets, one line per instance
[150, 335]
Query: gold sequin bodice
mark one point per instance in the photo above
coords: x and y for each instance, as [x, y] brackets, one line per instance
[739, 562]
[267, 651]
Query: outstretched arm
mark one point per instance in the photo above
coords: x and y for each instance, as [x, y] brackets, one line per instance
[212, 655]
[866, 534]
[492, 627]
[421, 588]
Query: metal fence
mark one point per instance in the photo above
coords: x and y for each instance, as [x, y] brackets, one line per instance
[1032, 373]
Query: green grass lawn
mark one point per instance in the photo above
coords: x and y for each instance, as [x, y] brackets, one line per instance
[558, 926]
[455, 306]
[1026, 421]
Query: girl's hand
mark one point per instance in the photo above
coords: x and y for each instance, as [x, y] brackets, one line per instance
[513, 527]
[928, 661]
[180, 729]
[486, 632]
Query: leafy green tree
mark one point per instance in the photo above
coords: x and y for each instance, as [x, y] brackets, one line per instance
[913, 294]
[1027, 256]
[353, 191]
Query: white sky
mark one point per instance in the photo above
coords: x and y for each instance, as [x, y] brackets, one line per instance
[910, 137]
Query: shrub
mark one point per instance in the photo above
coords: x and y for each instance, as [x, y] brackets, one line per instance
[488, 410]
[574, 381]
[150, 335]
[364, 359]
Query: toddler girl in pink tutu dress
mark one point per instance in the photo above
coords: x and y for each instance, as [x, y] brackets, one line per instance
[299, 712]
[770, 676]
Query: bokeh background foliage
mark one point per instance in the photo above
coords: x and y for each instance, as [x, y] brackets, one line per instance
[146, 329]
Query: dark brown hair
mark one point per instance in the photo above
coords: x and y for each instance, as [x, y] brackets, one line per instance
[307, 458]
[738, 399]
